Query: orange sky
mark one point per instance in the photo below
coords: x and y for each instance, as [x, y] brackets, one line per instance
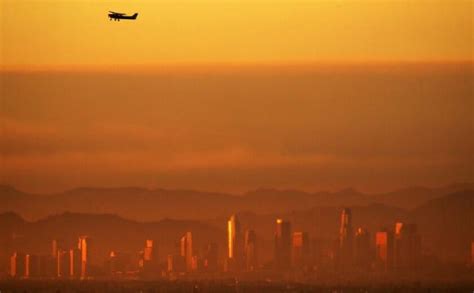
[374, 94]
[78, 32]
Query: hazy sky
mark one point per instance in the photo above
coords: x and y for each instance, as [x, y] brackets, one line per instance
[78, 31]
[370, 120]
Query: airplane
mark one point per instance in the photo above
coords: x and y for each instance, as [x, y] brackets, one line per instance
[118, 16]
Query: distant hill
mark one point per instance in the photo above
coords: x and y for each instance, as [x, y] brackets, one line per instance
[412, 197]
[151, 205]
[447, 224]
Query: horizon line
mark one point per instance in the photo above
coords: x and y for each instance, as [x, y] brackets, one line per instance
[243, 193]
[220, 65]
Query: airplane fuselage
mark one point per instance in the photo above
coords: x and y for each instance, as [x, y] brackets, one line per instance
[119, 16]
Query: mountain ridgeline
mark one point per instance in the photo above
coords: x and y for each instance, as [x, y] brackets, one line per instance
[151, 205]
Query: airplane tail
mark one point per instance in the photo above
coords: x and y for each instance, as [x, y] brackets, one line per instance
[135, 16]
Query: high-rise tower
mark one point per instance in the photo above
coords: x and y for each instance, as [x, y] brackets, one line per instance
[362, 252]
[234, 244]
[301, 250]
[282, 245]
[406, 246]
[187, 250]
[384, 250]
[250, 250]
[84, 248]
[345, 240]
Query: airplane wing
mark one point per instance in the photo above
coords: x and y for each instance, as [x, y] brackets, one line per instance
[117, 13]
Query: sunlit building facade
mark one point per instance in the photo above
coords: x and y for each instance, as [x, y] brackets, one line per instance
[186, 245]
[345, 252]
[84, 248]
[234, 244]
[384, 250]
[301, 252]
[17, 265]
[406, 246]
[32, 266]
[75, 263]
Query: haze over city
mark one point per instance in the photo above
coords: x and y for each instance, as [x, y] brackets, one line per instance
[231, 140]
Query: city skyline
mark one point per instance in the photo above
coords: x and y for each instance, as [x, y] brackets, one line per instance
[397, 249]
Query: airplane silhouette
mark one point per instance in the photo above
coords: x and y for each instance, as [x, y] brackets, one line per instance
[117, 16]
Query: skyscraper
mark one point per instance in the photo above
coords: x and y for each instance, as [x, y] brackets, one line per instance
[63, 264]
[148, 251]
[75, 263]
[282, 245]
[384, 250]
[187, 250]
[83, 245]
[407, 246]
[175, 263]
[234, 244]
[17, 265]
[345, 240]
[54, 248]
[210, 257]
[250, 250]
[301, 250]
[149, 261]
[362, 252]
[32, 266]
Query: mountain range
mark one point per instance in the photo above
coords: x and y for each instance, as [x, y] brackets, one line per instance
[151, 205]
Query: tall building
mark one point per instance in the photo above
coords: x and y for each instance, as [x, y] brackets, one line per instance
[51, 263]
[149, 262]
[84, 247]
[196, 263]
[384, 250]
[75, 262]
[234, 244]
[175, 263]
[301, 250]
[345, 240]
[362, 251]
[406, 246]
[250, 250]
[148, 251]
[32, 266]
[118, 263]
[17, 265]
[187, 250]
[282, 245]
[63, 264]
[211, 254]
[54, 248]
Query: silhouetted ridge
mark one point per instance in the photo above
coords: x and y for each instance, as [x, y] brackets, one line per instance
[150, 205]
